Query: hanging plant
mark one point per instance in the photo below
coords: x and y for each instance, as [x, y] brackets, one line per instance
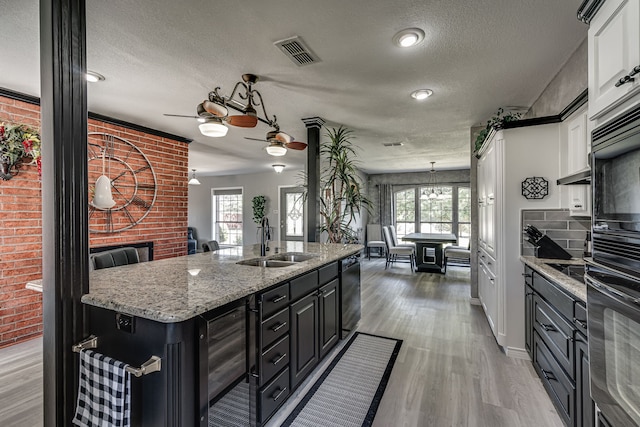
[496, 122]
[18, 141]
[259, 203]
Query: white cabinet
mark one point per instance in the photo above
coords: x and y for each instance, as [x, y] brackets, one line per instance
[614, 51]
[577, 137]
[487, 292]
[487, 198]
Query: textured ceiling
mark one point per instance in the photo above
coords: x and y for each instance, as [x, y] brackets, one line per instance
[164, 56]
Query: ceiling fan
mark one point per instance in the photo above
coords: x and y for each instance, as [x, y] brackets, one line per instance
[279, 142]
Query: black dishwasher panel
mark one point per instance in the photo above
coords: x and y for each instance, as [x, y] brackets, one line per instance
[350, 306]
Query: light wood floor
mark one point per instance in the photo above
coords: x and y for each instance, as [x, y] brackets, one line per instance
[450, 371]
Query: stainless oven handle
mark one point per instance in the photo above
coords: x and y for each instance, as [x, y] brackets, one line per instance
[610, 292]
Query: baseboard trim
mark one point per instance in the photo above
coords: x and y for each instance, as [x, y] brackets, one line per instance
[517, 353]
[475, 301]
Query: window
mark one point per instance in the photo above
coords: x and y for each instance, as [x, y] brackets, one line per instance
[450, 212]
[227, 216]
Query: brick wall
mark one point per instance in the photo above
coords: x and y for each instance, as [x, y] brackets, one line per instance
[21, 220]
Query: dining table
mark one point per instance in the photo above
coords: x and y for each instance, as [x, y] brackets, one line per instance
[429, 250]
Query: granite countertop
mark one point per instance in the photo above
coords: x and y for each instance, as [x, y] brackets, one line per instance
[177, 289]
[570, 285]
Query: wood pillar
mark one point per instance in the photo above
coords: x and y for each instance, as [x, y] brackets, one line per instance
[314, 125]
[64, 199]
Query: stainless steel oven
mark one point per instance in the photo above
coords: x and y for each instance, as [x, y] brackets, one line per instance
[613, 303]
[616, 193]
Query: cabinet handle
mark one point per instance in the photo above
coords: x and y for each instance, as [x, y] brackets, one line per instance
[527, 275]
[577, 206]
[275, 396]
[548, 375]
[489, 263]
[279, 359]
[635, 70]
[279, 326]
[624, 80]
[548, 328]
[278, 298]
[582, 323]
[528, 293]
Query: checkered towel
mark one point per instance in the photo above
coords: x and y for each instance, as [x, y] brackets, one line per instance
[104, 392]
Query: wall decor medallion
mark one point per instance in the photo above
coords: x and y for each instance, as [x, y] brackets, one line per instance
[535, 188]
[122, 184]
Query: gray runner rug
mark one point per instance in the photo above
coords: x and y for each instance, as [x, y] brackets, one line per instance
[349, 391]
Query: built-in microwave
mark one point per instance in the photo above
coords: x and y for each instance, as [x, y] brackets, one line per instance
[616, 193]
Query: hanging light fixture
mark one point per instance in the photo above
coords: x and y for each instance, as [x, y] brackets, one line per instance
[213, 127]
[278, 168]
[102, 197]
[194, 180]
[276, 148]
[431, 190]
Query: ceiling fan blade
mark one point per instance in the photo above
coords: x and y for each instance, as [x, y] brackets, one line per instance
[255, 139]
[181, 115]
[243, 121]
[296, 145]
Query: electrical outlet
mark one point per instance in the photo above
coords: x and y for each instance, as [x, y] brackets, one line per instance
[125, 323]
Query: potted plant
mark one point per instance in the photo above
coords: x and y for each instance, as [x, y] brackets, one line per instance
[496, 122]
[259, 203]
[17, 141]
[342, 196]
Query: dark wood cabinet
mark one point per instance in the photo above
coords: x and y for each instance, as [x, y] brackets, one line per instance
[304, 337]
[328, 322]
[585, 407]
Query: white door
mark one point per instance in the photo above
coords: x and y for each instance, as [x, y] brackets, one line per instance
[292, 213]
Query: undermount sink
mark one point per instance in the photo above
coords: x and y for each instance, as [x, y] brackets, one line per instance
[292, 257]
[269, 263]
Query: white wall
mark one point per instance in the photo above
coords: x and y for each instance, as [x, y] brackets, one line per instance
[266, 184]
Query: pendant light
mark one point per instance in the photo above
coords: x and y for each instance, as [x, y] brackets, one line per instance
[432, 183]
[278, 168]
[102, 197]
[194, 180]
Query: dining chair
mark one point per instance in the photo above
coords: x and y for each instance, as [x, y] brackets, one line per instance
[374, 239]
[394, 252]
[114, 258]
[394, 236]
[210, 246]
[459, 254]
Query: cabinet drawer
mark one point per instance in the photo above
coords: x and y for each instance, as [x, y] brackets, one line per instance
[558, 385]
[304, 284]
[274, 359]
[327, 273]
[580, 317]
[275, 326]
[556, 332]
[528, 275]
[488, 261]
[273, 395]
[562, 302]
[275, 299]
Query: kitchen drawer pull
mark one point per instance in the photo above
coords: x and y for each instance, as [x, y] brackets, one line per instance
[278, 298]
[527, 275]
[548, 375]
[635, 70]
[548, 328]
[577, 206]
[582, 323]
[275, 396]
[278, 326]
[624, 80]
[279, 359]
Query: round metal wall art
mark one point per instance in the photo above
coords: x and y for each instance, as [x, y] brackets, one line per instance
[535, 188]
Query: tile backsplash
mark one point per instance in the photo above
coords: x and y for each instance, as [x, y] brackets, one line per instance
[567, 231]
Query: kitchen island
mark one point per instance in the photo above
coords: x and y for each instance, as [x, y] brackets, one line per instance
[215, 323]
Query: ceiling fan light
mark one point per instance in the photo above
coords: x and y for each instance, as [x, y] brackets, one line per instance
[276, 149]
[213, 128]
[278, 168]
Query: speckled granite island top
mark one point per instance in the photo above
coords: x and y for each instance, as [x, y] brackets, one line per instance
[571, 286]
[177, 289]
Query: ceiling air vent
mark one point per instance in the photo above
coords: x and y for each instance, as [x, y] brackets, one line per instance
[296, 50]
[393, 144]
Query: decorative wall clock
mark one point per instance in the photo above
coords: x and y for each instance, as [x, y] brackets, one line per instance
[132, 183]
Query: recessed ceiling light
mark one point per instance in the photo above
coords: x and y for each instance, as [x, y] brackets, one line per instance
[421, 94]
[93, 77]
[409, 37]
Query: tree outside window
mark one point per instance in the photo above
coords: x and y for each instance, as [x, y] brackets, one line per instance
[227, 216]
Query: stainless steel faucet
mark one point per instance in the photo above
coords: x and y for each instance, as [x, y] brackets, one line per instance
[265, 236]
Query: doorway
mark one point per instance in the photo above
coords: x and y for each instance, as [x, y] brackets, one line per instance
[292, 213]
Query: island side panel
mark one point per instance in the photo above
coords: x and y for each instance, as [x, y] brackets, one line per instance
[166, 398]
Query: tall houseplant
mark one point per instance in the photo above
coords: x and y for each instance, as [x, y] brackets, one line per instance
[342, 196]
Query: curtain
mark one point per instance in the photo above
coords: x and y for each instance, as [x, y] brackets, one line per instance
[386, 207]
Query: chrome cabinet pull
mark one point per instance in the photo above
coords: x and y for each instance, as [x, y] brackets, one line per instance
[582, 323]
[624, 80]
[278, 298]
[279, 393]
[548, 375]
[635, 70]
[279, 359]
[548, 328]
[279, 326]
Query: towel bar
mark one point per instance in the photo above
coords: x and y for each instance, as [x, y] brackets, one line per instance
[152, 365]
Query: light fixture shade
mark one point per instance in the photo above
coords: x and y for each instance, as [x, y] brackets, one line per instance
[102, 198]
[433, 195]
[213, 128]
[278, 168]
[276, 149]
[194, 180]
